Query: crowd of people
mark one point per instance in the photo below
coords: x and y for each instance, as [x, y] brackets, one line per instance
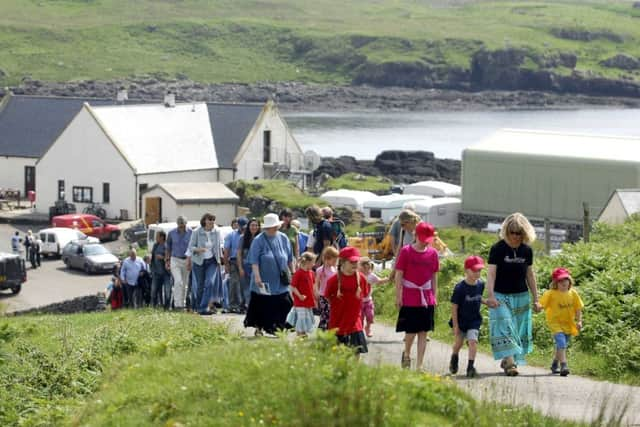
[281, 278]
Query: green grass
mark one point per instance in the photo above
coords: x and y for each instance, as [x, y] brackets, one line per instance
[138, 368]
[607, 277]
[284, 193]
[356, 181]
[285, 40]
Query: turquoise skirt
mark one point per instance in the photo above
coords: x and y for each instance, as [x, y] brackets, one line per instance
[510, 327]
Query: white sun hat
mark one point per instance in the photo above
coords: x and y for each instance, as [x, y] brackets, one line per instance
[271, 220]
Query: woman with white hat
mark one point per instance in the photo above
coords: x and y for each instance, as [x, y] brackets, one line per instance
[271, 260]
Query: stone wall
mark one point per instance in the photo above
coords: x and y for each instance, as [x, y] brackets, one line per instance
[85, 304]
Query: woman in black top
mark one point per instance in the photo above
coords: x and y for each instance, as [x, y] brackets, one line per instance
[510, 279]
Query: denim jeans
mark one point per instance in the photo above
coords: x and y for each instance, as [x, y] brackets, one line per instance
[206, 285]
[160, 286]
[236, 297]
[132, 296]
[245, 284]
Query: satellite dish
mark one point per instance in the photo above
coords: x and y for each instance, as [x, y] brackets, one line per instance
[311, 160]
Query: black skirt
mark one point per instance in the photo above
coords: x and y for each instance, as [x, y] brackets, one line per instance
[415, 319]
[268, 312]
[355, 340]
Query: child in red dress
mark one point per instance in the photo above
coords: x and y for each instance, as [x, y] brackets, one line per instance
[302, 290]
[345, 292]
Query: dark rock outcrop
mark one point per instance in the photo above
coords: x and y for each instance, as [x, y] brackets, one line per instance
[399, 166]
[585, 35]
[622, 61]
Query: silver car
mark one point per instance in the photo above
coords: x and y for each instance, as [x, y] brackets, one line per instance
[90, 257]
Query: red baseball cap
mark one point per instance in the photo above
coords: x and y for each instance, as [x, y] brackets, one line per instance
[474, 263]
[350, 254]
[425, 232]
[560, 273]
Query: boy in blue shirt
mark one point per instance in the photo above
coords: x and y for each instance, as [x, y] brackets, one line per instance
[465, 313]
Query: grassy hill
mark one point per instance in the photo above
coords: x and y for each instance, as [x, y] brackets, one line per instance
[328, 41]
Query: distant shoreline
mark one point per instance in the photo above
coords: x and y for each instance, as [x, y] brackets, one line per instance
[303, 97]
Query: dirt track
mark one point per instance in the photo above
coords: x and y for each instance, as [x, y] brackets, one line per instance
[573, 397]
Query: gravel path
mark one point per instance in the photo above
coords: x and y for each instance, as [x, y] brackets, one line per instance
[573, 397]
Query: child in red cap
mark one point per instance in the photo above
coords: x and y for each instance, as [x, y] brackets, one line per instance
[345, 291]
[563, 310]
[416, 281]
[465, 313]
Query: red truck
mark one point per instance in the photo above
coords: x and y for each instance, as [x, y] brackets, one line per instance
[89, 224]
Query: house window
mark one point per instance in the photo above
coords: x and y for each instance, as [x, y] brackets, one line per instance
[83, 194]
[61, 189]
[106, 196]
[266, 144]
[375, 213]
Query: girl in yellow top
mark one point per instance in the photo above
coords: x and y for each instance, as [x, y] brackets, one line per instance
[563, 310]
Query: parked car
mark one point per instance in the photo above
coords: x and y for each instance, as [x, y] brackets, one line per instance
[60, 207]
[13, 272]
[89, 224]
[90, 257]
[137, 233]
[55, 239]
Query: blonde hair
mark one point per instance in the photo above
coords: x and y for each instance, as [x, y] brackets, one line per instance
[341, 262]
[329, 252]
[518, 223]
[306, 257]
[365, 260]
[409, 216]
[554, 283]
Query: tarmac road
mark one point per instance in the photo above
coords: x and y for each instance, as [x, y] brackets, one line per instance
[52, 282]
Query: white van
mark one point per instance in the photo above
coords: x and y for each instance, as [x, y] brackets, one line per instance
[152, 229]
[55, 239]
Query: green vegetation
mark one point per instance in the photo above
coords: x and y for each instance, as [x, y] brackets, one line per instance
[137, 368]
[50, 364]
[607, 277]
[356, 181]
[285, 40]
[283, 193]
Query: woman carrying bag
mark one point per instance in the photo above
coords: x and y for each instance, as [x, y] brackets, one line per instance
[271, 262]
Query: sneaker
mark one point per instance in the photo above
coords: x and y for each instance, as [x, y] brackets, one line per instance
[406, 362]
[471, 372]
[564, 370]
[554, 367]
[453, 364]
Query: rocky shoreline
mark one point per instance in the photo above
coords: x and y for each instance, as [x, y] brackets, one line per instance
[295, 96]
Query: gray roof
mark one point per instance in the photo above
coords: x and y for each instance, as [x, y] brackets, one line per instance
[231, 124]
[630, 199]
[30, 124]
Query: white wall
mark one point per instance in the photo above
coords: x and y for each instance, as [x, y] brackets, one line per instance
[284, 148]
[84, 156]
[224, 212]
[614, 212]
[12, 172]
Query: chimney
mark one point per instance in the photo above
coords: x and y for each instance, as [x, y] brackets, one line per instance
[170, 100]
[122, 95]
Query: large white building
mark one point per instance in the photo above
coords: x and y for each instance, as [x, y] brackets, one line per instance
[113, 154]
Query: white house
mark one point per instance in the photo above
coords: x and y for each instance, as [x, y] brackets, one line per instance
[28, 127]
[112, 154]
[621, 205]
[433, 189]
[164, 202]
